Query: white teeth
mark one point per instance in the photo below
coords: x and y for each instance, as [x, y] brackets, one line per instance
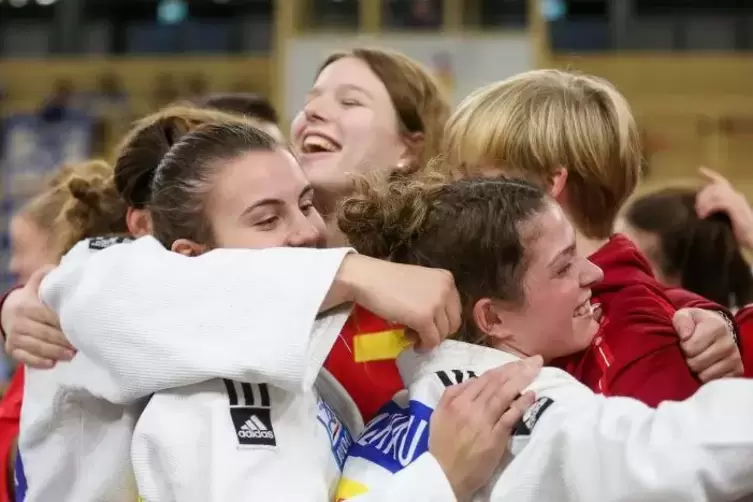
[584, 309]
[314, 143]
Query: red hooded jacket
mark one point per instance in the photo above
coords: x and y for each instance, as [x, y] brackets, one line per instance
[10, 418]
[637, 351]
[744, 319]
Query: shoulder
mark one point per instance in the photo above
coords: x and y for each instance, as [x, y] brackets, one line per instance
[87, 247]
[637, 305]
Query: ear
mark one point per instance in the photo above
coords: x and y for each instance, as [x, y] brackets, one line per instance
[187, 247]
[139, 221]
[413, 143]
[557, 183]
[488, 316]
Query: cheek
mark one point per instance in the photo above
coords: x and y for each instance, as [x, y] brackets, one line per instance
[296, 127]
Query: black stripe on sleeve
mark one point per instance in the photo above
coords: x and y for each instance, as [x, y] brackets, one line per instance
[231, 393]
[248, 394]
[264, 391]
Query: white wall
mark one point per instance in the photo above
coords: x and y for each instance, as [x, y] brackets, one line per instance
[475, 61]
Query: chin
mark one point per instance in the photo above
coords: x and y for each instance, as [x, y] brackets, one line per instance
[584, 330]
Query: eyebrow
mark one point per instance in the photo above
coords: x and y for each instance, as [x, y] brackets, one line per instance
[317, 91]
[274, 202]
[568, 252]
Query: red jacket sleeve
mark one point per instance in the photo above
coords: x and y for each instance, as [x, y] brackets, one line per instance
[744, 318]
[648, 364]
[10, 418]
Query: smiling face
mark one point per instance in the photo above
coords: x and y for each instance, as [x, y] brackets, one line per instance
[263, 200]
[348, 125]
[554, 319]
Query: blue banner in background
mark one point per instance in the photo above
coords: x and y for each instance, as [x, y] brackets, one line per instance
[31, 150]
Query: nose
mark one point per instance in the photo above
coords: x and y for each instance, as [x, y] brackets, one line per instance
[316, 110]
[591, 275]
[305, 234]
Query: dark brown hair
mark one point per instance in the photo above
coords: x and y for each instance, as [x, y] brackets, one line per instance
[186, 174]
[79, 202]
[473, 228]
[702, 253]
[255, 106]
[148, 141]
[420, 103]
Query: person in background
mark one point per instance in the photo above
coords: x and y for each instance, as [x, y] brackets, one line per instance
[252, 106]
[368, 110]
[60, 104]
[686, 251]
[66, 211]
[590, 163]
[695, 239]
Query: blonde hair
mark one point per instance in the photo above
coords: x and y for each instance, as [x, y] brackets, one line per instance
[534, 123]
[420, 103]
[80, 201]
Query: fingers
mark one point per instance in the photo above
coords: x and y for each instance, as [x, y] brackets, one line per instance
[721, 350]
[40, 314]
[508, 421]
[454, 310]
[43, 349]
[37, 277]
[46, 335]
[684, 324]
[504, 385]
[711, 175]
[726, 368]
[700, 341]
[428, 337]
[31, 360]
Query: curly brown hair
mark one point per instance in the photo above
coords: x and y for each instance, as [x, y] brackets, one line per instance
[474, 228]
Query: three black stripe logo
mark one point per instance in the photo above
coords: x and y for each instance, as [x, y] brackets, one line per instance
[252, 394]
[251, 413]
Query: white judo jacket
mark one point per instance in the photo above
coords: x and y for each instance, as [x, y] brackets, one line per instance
[178, 333]
[572, 445]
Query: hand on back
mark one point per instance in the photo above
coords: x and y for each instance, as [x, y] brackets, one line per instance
[32, 330]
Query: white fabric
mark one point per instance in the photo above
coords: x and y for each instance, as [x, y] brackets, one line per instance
[574, 445]
[145, 319]
[196, 444]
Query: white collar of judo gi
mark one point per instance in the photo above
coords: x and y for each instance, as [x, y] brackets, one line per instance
[450, 354]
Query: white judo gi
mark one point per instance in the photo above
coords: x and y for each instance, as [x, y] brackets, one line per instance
[572, 445]
[185, 331]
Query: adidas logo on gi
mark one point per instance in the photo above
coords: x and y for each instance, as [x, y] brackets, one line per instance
[254, 428]
[251, 413]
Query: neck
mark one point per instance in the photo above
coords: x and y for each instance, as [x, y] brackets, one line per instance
[587, 245]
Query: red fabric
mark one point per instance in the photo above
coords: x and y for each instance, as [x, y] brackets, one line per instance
[10, 417]
[744, 318]
[636, 352]
[370, 384]
[2, 302]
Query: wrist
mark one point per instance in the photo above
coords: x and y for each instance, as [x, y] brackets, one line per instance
[345, 288]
